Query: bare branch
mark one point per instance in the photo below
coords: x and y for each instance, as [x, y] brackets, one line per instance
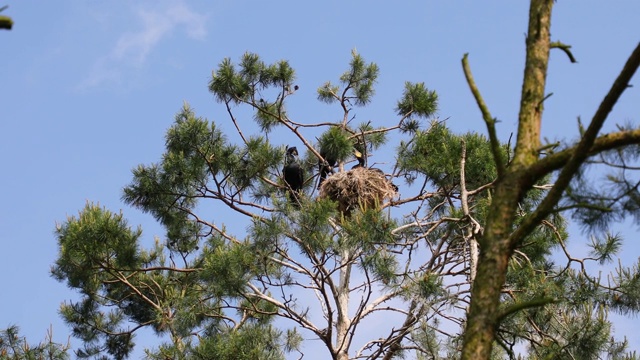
[564, 47]
[486, 115]
[474, 228]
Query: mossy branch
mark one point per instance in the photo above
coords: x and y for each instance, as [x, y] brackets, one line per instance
[486, 115]
[524, 305]
[604, 142]
[581, 151]
[564, 47]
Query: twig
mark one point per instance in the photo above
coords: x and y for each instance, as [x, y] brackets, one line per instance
[564, 47]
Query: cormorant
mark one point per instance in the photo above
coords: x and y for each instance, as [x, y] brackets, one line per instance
[360, 158]
[325, 167]
[293, 173]
[361, 163]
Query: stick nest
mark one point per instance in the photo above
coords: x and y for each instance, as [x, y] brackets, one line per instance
[359, 187]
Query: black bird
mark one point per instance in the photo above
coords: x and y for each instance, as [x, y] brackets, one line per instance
[325, 167]
[360, 158]
[361, 163]
[293, 173]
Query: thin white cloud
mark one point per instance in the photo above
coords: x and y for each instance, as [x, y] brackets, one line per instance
[156, 26]
[133, 47]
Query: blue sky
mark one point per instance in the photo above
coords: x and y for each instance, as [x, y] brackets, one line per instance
[90, 87]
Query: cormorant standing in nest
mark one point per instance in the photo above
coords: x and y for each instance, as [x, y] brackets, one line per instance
[362, 163]
[293, 174]
[325, 167]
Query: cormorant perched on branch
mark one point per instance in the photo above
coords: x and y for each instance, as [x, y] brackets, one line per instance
[325, 167]
[293, 174]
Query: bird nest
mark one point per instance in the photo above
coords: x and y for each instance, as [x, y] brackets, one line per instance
[358, 188]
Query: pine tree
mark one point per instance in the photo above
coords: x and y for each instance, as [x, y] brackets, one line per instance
[15, 347]
[441, 252]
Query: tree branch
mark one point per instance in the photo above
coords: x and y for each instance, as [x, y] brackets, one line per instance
[482, 316]
[486, 115]
[524, 305]
[471, 232]
[581, 151]
[605, 142]
[564, 47]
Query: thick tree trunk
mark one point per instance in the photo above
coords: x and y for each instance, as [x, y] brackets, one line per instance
[495, 252]
[533, 85]
[496, 246]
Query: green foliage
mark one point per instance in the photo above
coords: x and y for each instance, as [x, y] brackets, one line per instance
[213, 293]
[313, 228]
[96, 248]
[229, 84]
[418, 100]
[335, 143]
[252, 342]
[369, 138]
[357, 83]
[247, 84]
[259, 157]
[100, 257]
[15, 347]
[6, 22]
[197, 152]
[230, 266]
[598, 201]
[368, 233]
[626, 296]
[328, 92]
[268, 115]
[257, 310]
[604, 249]
[96, 239]
[587, 333]
[360, 78]
[367, 228]
[293, 340]
[193, 150]
[425, 335]
[436, 154]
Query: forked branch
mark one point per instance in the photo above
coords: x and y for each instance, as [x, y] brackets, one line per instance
[581, 151]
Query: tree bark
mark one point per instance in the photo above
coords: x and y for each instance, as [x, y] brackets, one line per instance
[495, 251]
[495, 245]
[343, 322]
